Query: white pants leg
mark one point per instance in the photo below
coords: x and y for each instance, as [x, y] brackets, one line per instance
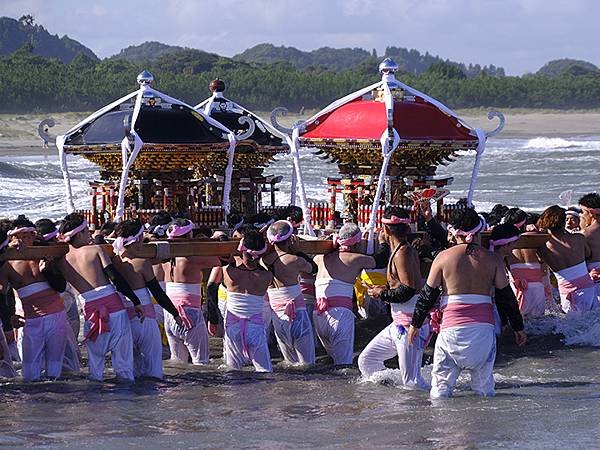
[147, 348]
[118, 341]
[258, 349]
[584, 300]
[335, 329]
[43, 346]
[188, 343]
[470, 347]
[6, 366]
[534, 300]
[72, 360]
[389, 343]
[295, 338]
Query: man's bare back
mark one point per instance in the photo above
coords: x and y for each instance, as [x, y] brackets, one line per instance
[343, 266]
[244, 281]
[188, 269]
[285, 268]
[564, 250]
[21, 273]
[592, 237]
[82, 267]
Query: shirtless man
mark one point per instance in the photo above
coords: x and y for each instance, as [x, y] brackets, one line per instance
[527, 271]
[466, 273]
[247, 284]
[337, 271]
[147, 345]
[45, 330]
[404, 282]
[89, 269]
[291, 323]
[183, 276]
[590, 207]
[566, 253]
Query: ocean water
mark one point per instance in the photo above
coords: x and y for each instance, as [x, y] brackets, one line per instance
[548, 393]
[529, 173]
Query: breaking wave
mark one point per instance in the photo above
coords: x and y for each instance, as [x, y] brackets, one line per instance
[554, 143]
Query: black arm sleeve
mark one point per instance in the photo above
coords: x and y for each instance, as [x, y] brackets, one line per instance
[313, 265]
[507, 305]
[437, 232]
[427, 298]
[401, 294]
[161, 297]
[5, 313]
[122, 286]
[212, 302]
[55, 279]
[382, 256]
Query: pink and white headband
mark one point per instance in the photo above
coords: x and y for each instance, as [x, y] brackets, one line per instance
[121, 242]
[395, 220]
[66, 237]
[570, 212]
[345, 244]
[179, 230]
[21, 230]
[500, 242]
[50, 235]
[253, 253]
[280, 237]
[467, 234]
[594, 211]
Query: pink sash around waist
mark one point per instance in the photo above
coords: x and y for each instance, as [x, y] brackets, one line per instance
[521, 279]
[149, 312]
[98, 312]
[42, 303]
[324, 304]
[185, 300]
[457, 314]
[568, 287]
[288, 306]
[308, 289]
[232, 319]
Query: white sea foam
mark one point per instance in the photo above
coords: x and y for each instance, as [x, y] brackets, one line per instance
[577, 328]
[556, 143]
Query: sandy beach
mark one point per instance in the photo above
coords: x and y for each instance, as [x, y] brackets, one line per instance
[19, 136]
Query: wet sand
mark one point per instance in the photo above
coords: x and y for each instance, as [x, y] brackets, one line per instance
[19, 136]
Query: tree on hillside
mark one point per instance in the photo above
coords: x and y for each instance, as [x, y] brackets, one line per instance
[445, 70]
[26, 20]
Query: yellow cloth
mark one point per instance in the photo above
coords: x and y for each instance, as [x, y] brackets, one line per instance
[367, 279]
[222, 293]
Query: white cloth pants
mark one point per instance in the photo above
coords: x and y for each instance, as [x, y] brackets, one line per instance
[147, 348]
[185, 344]
[335, 329]
[295, 337]
[258, 350]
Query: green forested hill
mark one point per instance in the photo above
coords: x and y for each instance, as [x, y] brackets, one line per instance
[15, 34]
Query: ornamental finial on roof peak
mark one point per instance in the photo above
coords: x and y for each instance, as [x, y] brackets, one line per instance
[388, 65]
[145, 78]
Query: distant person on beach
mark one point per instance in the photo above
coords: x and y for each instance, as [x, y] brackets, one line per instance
[333, 316]
[246, 283]
[566, 254]
[466, 274]
[183, 276]
[404, 282]
[526, 270]
[89, 269]
[590, 224]
[45, 326]
[292, 326]
[147, 345]
[573, 220]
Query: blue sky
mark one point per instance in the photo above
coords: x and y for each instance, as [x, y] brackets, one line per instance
[519, 35]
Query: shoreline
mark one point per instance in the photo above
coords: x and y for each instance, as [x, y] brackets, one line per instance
[18, 132]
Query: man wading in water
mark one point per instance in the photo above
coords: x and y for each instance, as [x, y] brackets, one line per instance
[590, 223]
[466, 273]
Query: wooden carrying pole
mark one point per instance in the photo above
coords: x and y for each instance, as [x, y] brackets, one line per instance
[166, 250]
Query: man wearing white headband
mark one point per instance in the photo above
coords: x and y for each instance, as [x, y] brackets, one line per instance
[247, 282]
[566, 254]
[590, 207]
[147, 345]
[7, 369]
[291, 323]
[89, 269]
[183, 276]
[404, 281]
[466, 341]
[573, 221]
[45, 326]
[527, 271]
[334, 288]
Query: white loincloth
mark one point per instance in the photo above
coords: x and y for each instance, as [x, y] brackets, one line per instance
[533, 303]
[117, 341]
[244, 325]
[294, 337]
[7, 369]
[582, 300]
[183, 343]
